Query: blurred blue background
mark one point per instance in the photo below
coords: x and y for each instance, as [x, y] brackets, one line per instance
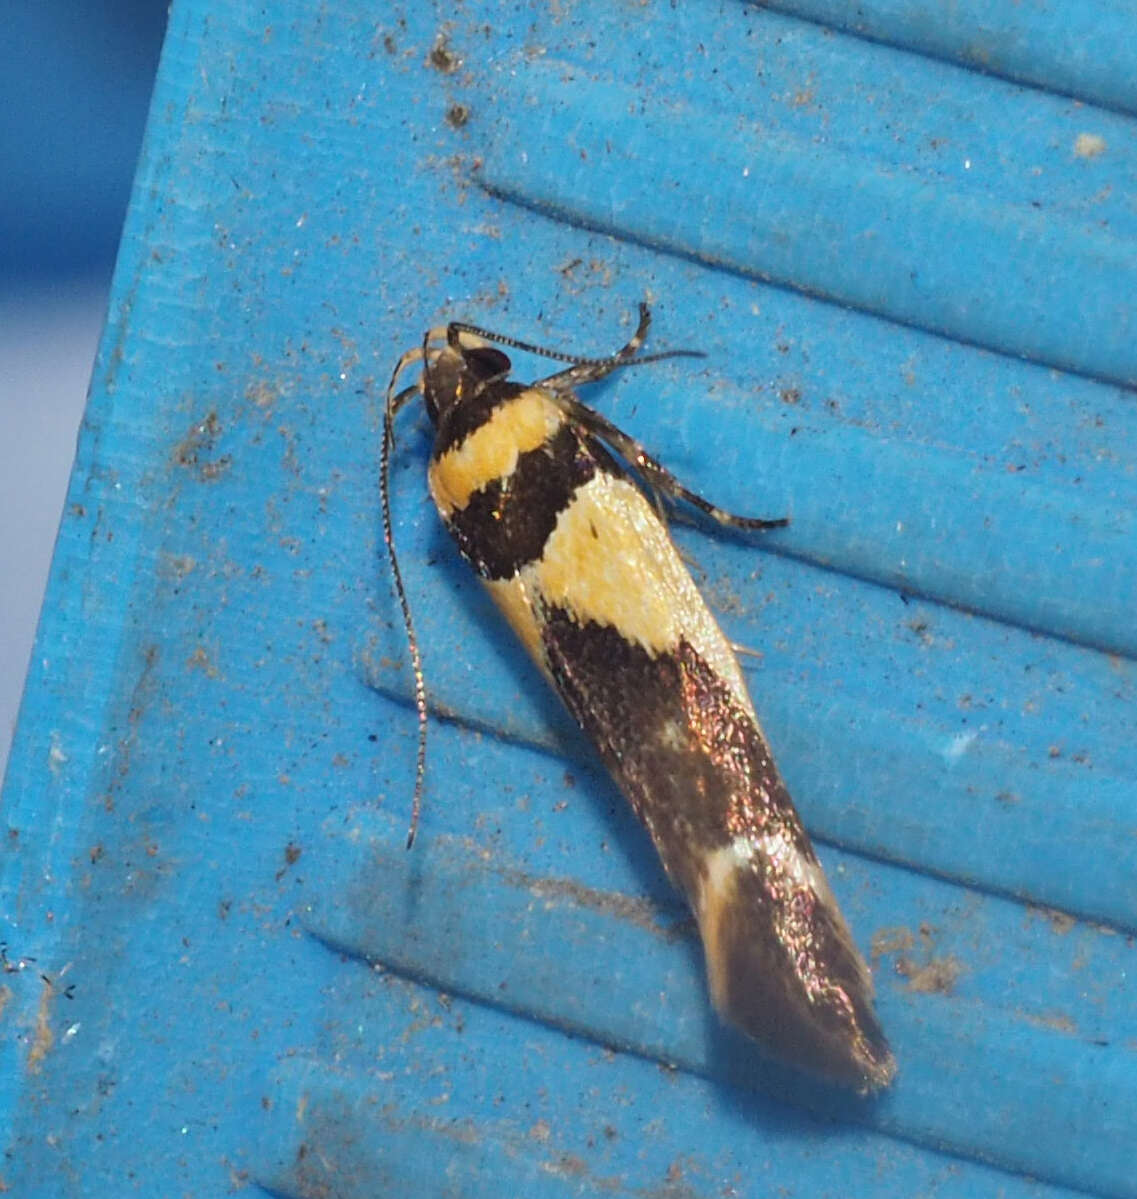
[73, 98]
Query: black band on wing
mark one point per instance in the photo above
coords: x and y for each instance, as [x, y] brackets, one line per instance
[505, 525]
[650, 716]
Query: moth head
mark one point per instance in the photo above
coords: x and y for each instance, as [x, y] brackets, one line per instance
[458, 370]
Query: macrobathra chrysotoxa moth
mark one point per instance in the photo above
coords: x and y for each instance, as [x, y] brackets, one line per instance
[558, 511]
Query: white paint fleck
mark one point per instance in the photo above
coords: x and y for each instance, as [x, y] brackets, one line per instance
[56, 758]
[1089, 145]
[957, 746]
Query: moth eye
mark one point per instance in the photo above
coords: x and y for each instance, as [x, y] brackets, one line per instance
[484, 362]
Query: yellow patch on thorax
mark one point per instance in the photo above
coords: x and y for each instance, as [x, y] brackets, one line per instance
[491, 451]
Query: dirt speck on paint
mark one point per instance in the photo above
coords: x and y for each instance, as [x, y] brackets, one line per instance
[179, 565]
[200, 435]
[262, 394]
[573, 1166]
[630, 908]
[194, 449]
[898, 939]
[442, 57]
[292, 853]
[935, 977]
[1060, 922]
[139, 700]
[200, 660]
[44, 1037]
[925, 972]
[1055, 1021]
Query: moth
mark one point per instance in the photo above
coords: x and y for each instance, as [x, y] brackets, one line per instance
[560, 514]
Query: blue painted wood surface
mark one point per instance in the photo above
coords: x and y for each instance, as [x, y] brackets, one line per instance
[914, 283]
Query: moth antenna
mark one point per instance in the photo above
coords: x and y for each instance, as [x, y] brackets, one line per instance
[628, 351]
[391, 409]
[526, 347]
[583, 369]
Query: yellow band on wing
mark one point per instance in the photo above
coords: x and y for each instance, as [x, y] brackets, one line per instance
[490, 452]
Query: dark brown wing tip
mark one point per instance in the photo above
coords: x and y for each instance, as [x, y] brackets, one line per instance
[811, 1009]
[850, 1053]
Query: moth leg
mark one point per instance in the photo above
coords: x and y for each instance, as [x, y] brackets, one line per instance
[655, 474]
